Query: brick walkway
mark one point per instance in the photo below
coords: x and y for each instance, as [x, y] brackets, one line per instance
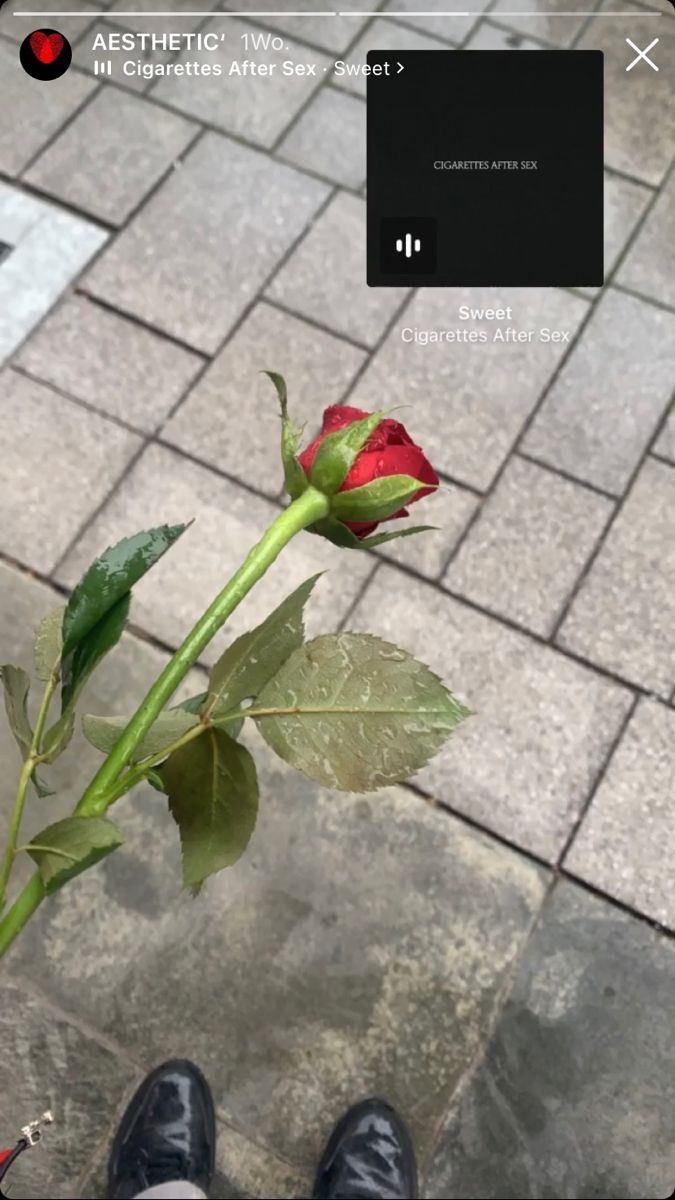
[492, 948]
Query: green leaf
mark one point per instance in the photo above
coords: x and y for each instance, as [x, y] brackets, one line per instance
[377, 539]
[295, 480]
[16, 685]
[68, 847]
[193, 704]
[49, 644]
[355, 712]
[338, 451]
[105, 732]
[111, 577]
[256, 656]
[88, 653]
[58, 737]
[377, 500]
[213, 798]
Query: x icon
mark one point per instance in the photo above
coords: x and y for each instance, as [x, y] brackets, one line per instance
[642, 54]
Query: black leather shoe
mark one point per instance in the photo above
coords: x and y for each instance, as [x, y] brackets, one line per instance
[167, 1133]
[369, 1156]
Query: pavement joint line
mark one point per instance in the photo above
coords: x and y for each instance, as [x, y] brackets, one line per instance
[562, 474]
[619, 174]
[667, 462]
[25, 187]
[494, 23]
[585, 25]
[613, 901]
[627, 291]
[134, 319]
[292, 312]
[363, 588]
[602, 772]
[84, 103]
[18, 369]
[613, 518]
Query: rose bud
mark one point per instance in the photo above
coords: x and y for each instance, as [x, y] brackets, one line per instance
[371, 468]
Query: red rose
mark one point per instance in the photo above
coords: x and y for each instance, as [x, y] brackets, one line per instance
[389, 451]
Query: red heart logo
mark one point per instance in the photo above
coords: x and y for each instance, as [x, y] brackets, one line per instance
[46, 46]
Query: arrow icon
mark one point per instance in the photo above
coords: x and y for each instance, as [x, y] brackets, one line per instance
[401, 67]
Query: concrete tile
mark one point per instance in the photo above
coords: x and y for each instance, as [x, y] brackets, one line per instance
[575, 1095]
[229, 521]
[625, 203]
[605, 405]
[181, 23]
[328, 986]
[49, 1063]
[490, 37]
[453, 29]
[81, 454]
[181, 266]
[86, 53]
[639, 103]
[469, 401]
[383, 35]
[52, 247]
[31, 114]
[525, 764]
[624, 616]
[19, 212]
[665, 445]
[450, 510]
[17, 28]
[142, 140]
[627, 834]
[318, 369]
[330, 138]
[542, 19]
[333, 33]
[325, 278]
[650, 265]
[529, 545]
[75, 347]
[258, 109]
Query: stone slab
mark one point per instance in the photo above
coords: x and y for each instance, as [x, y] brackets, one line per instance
[525, 764]
[31, 113]
[626, 839]
[330, 139]
[318, 369]
[575, 1095]
[531, 542]
[623, 618]
[650, 265]
[190, 263]
[605, 405]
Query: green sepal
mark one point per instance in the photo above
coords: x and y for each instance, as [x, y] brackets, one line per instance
[295, 480]
[338, 451]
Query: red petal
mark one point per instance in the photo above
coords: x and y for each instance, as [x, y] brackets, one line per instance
[336, 416]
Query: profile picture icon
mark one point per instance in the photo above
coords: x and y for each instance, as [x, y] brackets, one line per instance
[45, 54]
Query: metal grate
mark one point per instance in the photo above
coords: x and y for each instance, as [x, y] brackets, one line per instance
[4, 251]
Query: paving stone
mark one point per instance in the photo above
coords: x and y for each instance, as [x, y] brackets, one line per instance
[17, 28]
[330, 138]
[181, 267]
[58, 463]
[327, 986]
[529, 545]
[325, 278]
[627, 834]
[650, 265]
[450, 510]
[333, 33]
[638, 104]
[49, 248]
[31, 113]
[181, 24]
[625, 203]
[318, 369]
[469, 401]
[605, 405]
[85, 54]
[665, 446]
[542, 19]
[452, 29]
[624, 616]
[256, 109]
[50, 1063]
[491, 37]
[113, 364]
[142, 139]
[383, 35]
[525, 764]
[229, 521]
[575, 1095]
